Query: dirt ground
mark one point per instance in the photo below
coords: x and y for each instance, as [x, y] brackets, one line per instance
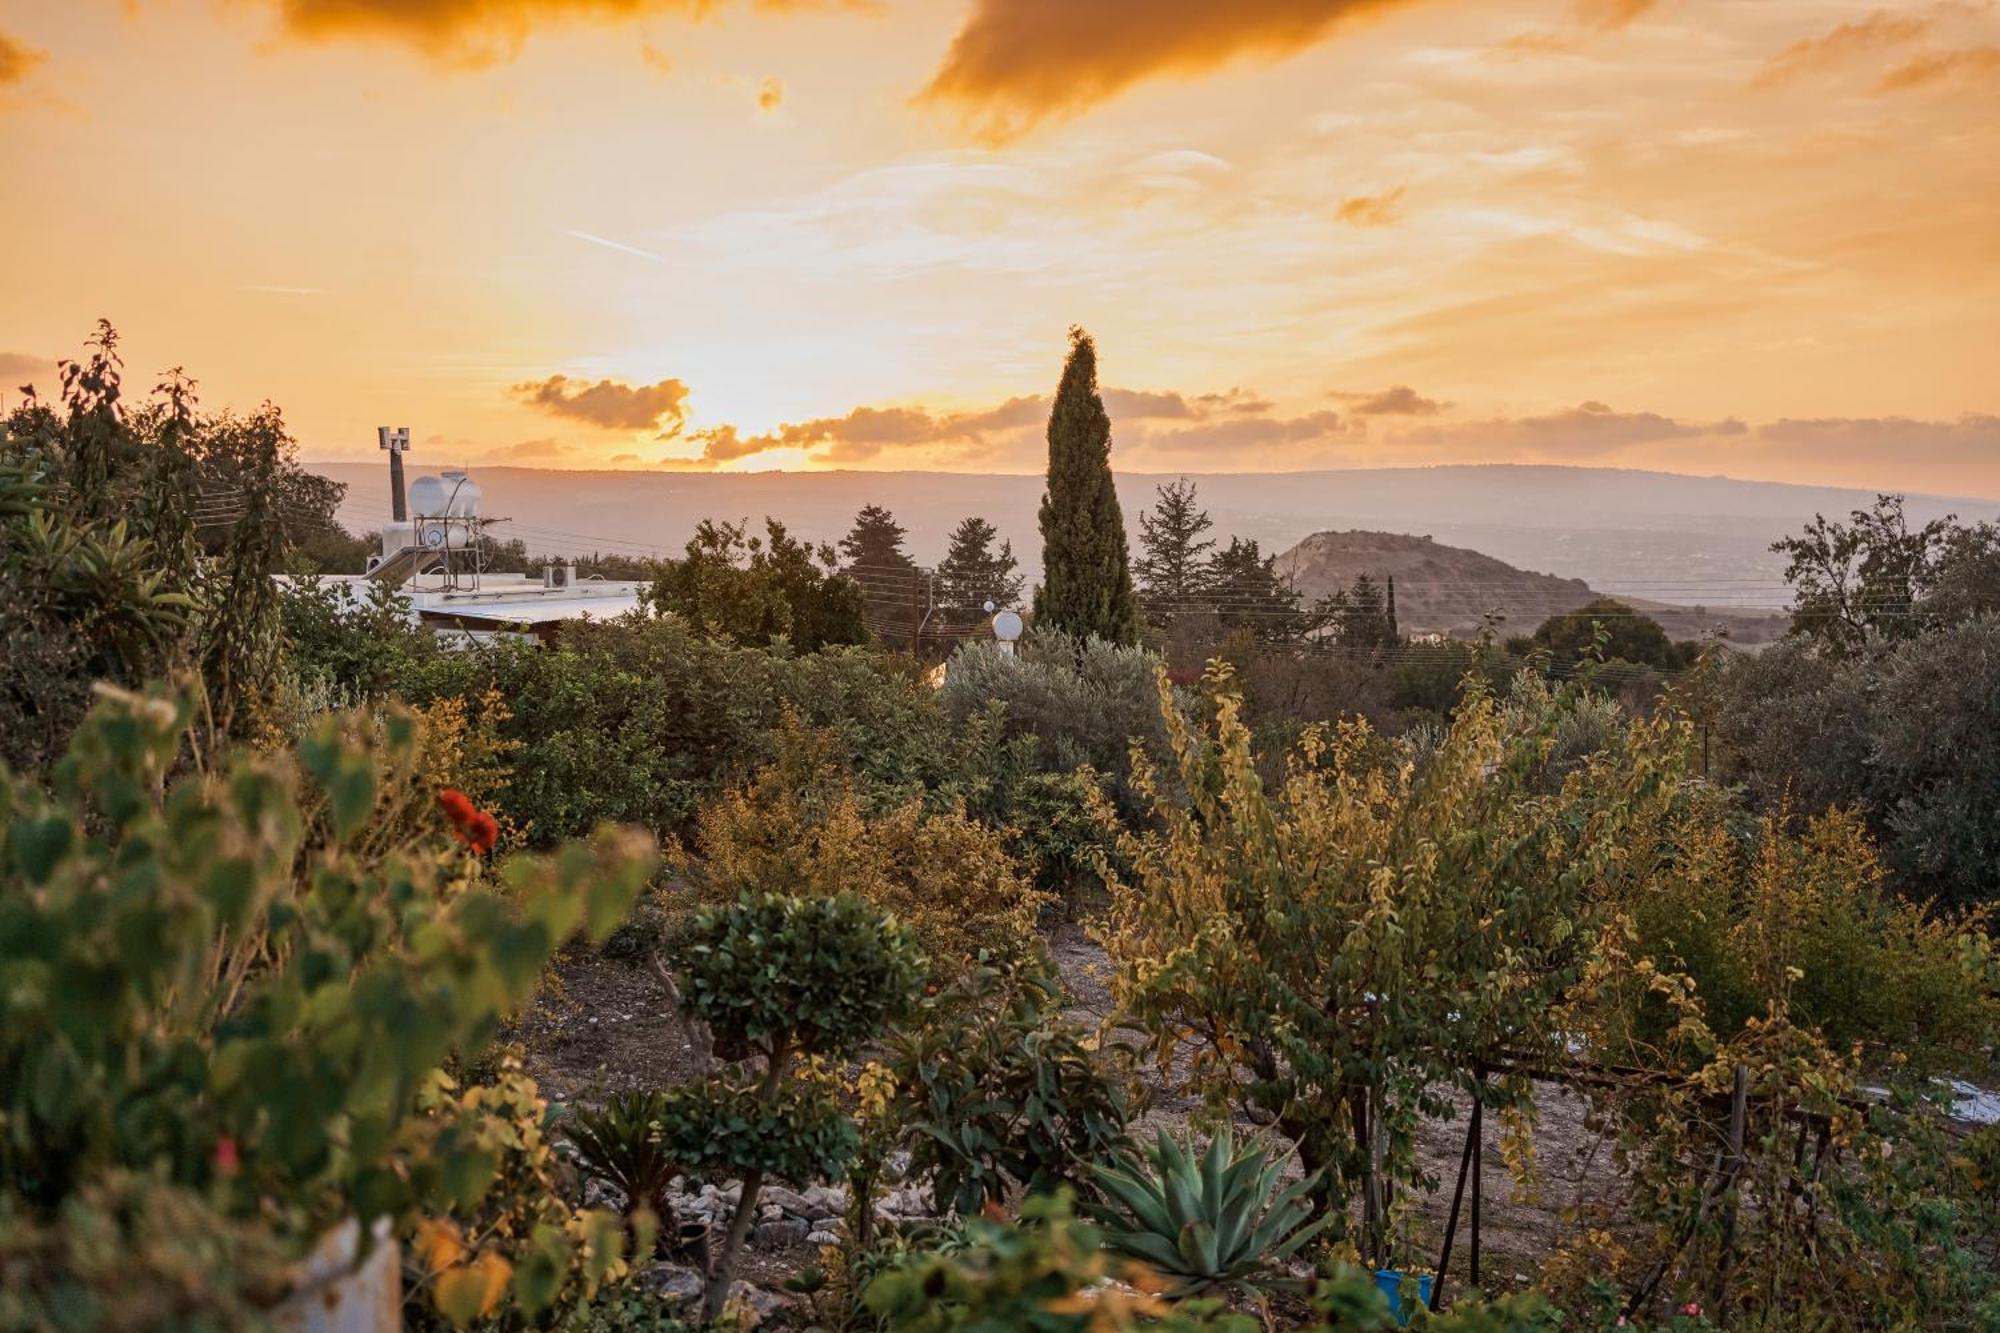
[603, 1024]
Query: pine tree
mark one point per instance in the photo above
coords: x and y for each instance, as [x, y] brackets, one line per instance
[972, 573]
[897, 597]
[1086, 581]
[1395, 630]
[1247, 593]
[1173, 567]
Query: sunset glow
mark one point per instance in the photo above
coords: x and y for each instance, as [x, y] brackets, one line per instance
[1753, 237]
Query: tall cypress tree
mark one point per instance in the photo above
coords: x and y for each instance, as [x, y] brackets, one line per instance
[1086, 582]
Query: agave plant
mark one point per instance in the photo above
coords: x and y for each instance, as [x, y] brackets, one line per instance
[1213, 1222]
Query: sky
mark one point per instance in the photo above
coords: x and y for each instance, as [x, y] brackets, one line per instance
[1758, 238]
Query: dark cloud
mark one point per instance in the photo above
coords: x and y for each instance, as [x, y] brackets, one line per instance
[1973, 63]
[1016, 62]
[486, 32]
[1880, 30]
[17, 59]
[1398, 400]
[609, 404]
[1371, 210]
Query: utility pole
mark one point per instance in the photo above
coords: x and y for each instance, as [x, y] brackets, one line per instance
[396, 442]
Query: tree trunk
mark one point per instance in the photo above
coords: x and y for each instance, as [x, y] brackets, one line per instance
[717, 1291]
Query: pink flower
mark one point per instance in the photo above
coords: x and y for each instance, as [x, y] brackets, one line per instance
[226, 1160]
[1692, 1309]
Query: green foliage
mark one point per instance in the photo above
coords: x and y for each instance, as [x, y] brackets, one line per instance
[780, 978]
[233, 980]
[750, 590]
[873, 557]
[1086, 587]
[1248, 596]
[1000, 1091]
[1609, 630]
[642, 719]
[499, 1238]
[351, 645]
[1048, 1273]
[815, 976]
[1173, 565]
[796, 1132]
[1873, 580]
[972, 574]
[1217, 1222]
[1082, 702]
[1345, 946]
[137, 541]
[1909, 733]
[621, 1144]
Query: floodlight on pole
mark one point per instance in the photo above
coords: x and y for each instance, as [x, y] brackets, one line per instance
[396, 442]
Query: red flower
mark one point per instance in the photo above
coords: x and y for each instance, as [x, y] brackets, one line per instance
[1692, 1309]
[226, 1160]
[469, 824]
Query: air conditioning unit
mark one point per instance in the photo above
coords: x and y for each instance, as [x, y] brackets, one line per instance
[559, 576]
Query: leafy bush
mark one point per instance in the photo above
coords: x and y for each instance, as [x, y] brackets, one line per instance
[1084, 701]
[801, 827]
[1052, 1274]
[752, 590]
[777, 979]
[1219, 1222]
[1342, 948]
[640, 720]
[1908, 732]
[235, 980]
[999, 1091]
[500, 1238]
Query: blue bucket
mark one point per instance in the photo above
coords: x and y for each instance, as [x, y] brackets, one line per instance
[1390, 1281]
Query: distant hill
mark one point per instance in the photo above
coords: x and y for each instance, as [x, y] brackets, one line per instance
[1657, 535]
[1451, 589]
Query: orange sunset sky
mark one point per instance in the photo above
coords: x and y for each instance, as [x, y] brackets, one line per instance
[1755, 237]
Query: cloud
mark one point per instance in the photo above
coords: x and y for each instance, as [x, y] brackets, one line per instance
[1877, 32]
[1210, 439]
[656, 60]
[1396, 401]
[18, 366]
[1371, 210]
[608, 403]
[770, 94]
[530, 451]
[1588, 430]
[478, 33]
[866, 432]
[17, 59]
[1976, 62]
[1017, 62]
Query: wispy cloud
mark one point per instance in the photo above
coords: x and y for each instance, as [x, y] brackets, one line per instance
[1371, 210]
[1879, 31]
[619, 246]
[1970, 65]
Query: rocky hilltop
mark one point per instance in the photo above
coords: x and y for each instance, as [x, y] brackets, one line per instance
[1450, 589]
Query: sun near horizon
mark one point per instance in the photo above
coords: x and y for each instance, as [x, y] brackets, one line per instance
[1699, 236]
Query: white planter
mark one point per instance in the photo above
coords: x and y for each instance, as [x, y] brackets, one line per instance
[332, 1292]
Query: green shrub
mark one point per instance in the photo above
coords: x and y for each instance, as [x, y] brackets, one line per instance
[232, 980]
[622, 1143]
[999, 1091]
[777, 979]
[1084, 701]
